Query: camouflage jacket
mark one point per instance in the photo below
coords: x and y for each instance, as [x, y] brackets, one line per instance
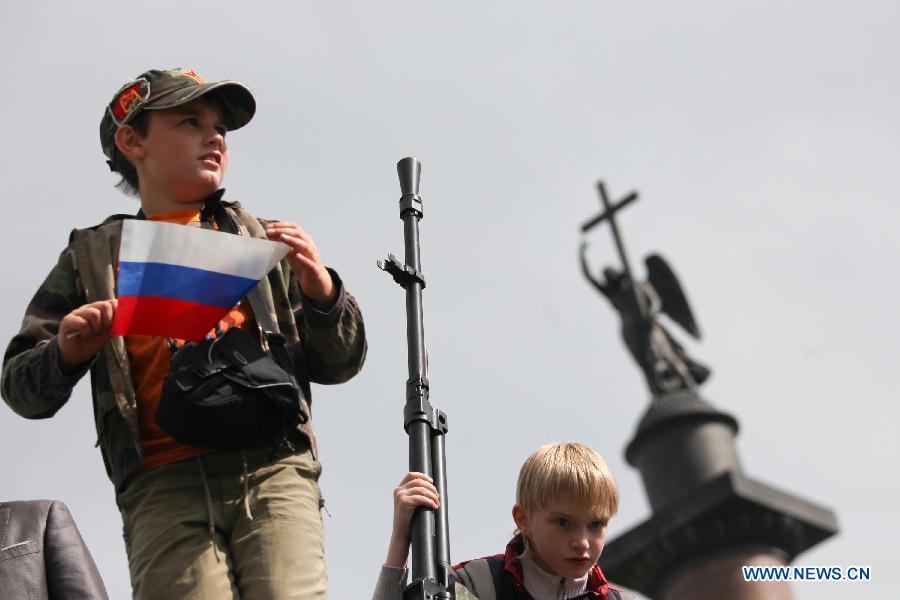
[326, 347]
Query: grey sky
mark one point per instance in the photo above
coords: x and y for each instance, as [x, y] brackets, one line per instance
[762, 136]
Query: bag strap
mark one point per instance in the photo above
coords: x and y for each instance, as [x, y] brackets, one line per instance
[486, 579]
[476, 576]
[273, 338]
[503, 585]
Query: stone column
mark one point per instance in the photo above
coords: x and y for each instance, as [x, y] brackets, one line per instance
[720, 577]
[709, 519]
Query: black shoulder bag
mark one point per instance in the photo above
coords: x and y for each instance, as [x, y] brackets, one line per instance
[228, 392]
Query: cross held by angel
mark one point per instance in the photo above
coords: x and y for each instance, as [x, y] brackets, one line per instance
[640, 304]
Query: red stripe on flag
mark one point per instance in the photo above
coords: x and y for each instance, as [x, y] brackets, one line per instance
[150, 315]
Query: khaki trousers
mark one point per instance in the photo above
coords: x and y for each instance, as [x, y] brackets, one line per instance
[226, 526]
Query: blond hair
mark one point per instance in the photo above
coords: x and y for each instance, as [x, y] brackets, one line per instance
[569, 468]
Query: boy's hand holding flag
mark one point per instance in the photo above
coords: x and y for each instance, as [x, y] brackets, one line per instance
[313, 277]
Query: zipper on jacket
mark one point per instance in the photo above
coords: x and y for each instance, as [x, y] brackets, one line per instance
[263, 340]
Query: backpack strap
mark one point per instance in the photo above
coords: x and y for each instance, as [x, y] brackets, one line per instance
[477, 576]
[488, 579]
[503, 583]
[273, 338]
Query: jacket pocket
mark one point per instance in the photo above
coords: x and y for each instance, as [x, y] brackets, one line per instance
[18, 549]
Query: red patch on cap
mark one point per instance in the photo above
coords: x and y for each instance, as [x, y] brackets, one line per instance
[193, 75]
[129, 99]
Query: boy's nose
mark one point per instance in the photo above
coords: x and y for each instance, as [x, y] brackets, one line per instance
[580, 542]
[217, 139]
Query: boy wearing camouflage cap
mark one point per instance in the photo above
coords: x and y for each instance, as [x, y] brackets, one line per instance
[199, 522]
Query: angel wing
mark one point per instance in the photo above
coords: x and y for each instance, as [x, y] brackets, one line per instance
[674, 302]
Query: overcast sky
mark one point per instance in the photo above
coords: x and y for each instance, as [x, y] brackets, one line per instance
[762, 136]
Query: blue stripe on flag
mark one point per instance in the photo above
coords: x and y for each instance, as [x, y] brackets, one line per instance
[182, 283]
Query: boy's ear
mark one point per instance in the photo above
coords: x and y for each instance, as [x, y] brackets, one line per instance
[129, 142]
[520, 516]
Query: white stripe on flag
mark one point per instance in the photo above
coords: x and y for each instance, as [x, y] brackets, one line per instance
[170, 243]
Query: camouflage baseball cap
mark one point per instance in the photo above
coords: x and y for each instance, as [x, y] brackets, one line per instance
[155, 89]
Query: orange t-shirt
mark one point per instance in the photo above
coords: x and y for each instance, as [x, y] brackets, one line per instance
[150, 355]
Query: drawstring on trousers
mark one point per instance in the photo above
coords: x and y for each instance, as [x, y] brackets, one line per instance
[209, 509]
[246, 486]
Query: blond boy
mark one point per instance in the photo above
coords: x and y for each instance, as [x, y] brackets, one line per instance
[565, 496]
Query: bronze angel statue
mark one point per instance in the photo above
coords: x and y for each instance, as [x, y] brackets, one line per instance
[664, 362]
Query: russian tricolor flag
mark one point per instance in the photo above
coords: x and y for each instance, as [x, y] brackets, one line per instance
[180, 281]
